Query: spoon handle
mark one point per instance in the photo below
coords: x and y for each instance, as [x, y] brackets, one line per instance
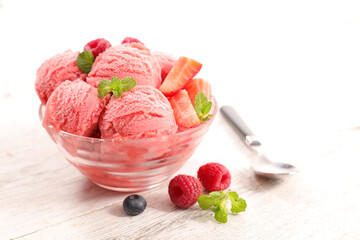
[241, 128]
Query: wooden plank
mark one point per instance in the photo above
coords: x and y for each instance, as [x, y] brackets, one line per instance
[308, 206]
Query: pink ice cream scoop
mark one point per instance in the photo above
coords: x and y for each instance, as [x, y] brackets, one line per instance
[126, 60]
[166, 62]
[142, 112]
[56, 70]
[74, 107]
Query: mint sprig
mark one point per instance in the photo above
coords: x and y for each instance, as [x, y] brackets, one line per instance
[104, 88]
[218, 200]
[202, 106]
[116, 86]
[237, 204]
[84, 61]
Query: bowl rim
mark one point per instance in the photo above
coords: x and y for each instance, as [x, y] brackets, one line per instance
[213, 111]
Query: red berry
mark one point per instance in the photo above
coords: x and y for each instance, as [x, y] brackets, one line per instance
[214, 176]
[97, 46]
[184, 112]
[184, 190]
[130, 40]
[181, 73]
[196, 85]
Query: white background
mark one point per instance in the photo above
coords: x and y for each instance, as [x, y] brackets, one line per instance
[291, 68]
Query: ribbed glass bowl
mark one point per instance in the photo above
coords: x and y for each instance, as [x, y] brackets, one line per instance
[129, 165]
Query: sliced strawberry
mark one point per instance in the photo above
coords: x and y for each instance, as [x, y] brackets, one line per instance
[181, 73]
[184, 111]
[196, 85]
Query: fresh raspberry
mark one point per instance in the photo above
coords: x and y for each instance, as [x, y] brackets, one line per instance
[97, 46]
[214, 176]
[184, 190]
[130, 40]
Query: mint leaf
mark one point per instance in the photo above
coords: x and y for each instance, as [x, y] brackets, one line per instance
[202, 106]
[205, 118]
[237, 204]
[119, 86]
[84, 61]
[127, 83]
[219, 199]
[200, 101]
[205, 202]
[217, 194]
[214, 198]
[116, 86]
[220, 212]
[104, 88]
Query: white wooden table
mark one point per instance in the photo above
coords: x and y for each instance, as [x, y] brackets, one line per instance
[291, 70]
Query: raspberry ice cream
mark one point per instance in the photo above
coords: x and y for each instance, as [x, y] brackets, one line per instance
[56, 70]
[126, 60]
[128, 116]
[166, 62]
[74, 107]
[141, 112]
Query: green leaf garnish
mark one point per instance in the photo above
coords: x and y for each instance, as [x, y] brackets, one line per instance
[220, 212]
[218, 200]
[202, 106]
[84, 61]
[104, 88]
[205, 202]
[127, 83]
[116, 86]
[237, 204]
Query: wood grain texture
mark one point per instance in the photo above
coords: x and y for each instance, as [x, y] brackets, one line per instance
[45, 196]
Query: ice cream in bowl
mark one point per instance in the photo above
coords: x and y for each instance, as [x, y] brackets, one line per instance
[125, 117]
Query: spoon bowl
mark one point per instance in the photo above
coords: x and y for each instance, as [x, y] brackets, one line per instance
[260, 163]
[263, 166]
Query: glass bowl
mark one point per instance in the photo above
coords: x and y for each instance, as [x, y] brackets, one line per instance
[129, 165]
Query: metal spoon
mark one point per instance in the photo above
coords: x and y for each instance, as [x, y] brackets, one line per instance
[260, 164]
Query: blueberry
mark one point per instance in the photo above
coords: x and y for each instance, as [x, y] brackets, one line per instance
[134, 205]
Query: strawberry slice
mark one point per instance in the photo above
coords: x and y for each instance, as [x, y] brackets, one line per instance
[196, 85]
[180, 74]
[184, 111]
